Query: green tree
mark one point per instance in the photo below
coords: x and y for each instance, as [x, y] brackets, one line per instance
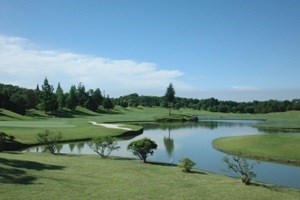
[186, 164]
[48, 98]
[72, 98]
[61, 98]
[142, 148]
[241, 167]
[50, 139]
[104, 145]
[18, 103]
[170, 97]
[124, 104]
[107, 103]
[82, 96]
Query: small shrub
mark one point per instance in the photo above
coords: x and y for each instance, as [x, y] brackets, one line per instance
[104, 145]
[186, 164]
[241, 167]
[142, 148]
[50, 140]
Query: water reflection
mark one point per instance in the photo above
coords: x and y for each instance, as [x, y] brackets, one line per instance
[80, 146]
[206, 124]
[169, 145]
[71, 146]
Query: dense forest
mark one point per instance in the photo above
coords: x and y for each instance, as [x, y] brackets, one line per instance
[212, 104]
[21, 100]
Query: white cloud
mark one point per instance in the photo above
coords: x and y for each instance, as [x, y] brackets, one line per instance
[242, 88]
[22, 63]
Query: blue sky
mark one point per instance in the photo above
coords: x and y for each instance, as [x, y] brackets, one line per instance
[231, 50]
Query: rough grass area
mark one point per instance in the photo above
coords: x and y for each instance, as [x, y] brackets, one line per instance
[281, 147]
[45, 176]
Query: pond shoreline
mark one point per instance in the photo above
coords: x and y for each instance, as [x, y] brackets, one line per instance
[18, 146]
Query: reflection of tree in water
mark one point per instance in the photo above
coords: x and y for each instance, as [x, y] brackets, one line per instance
[188, 125]
[277, 130]
[58, 147]
[80, 146]
[169, 144]
[71, 146]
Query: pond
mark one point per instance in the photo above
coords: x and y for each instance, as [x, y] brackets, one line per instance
[194, 140]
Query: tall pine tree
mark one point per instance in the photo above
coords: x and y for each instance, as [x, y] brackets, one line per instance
[61, 99]
[72, 101]
[48, 98]
[170, 97]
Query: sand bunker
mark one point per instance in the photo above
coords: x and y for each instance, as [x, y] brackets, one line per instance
[115, 126]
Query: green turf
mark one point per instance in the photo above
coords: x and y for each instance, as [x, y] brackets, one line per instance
[281, 147]
[45, 176]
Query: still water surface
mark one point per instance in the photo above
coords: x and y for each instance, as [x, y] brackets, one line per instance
[194, 140]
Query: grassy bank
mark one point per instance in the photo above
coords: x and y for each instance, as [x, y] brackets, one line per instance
[280, 147]
[45, 176]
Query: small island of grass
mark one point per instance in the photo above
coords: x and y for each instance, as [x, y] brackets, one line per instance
[278, 147]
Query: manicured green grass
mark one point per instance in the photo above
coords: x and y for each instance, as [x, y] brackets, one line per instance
[281, 147]
[45, 176]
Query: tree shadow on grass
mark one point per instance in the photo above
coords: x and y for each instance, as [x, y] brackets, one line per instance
[198, 172]
[161, 164]
[14, 171]
[270, 187]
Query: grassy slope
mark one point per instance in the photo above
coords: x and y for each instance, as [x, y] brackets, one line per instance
[77, 126]
[282, 147]
[45, 176]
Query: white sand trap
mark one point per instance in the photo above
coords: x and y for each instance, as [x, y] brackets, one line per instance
[116, 126]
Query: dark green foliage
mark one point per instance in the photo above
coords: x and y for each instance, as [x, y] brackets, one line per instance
[170, 97]
[4, 138]
[142, 148]
[17, 99]
[18, 103]
[61, 98]
[241, 167]
[82, 96]
[50, 139]
[296, 104]
[97, 97]
[94, 99]
[72, 101]
[48, 98]
[20, 100]
[107, 103]
[124, 104]
[91, 104]
[104, 145]
[186, 164]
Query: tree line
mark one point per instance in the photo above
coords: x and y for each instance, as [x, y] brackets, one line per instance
[210, 104]
[21, 100]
